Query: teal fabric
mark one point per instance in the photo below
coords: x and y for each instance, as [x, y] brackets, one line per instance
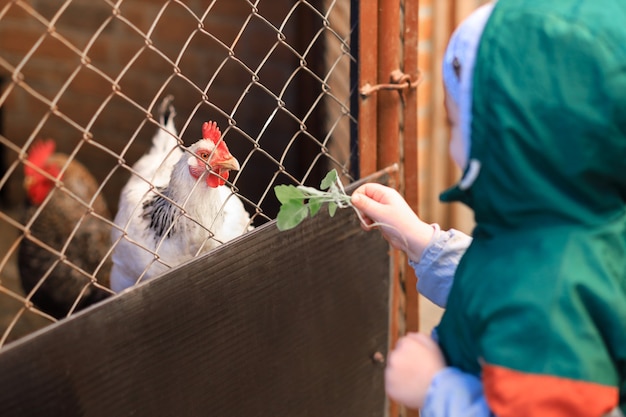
[542, 288]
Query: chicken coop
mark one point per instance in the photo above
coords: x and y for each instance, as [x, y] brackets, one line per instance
[141, 268]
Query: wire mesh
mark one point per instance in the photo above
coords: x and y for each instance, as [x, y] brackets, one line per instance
[103, 79]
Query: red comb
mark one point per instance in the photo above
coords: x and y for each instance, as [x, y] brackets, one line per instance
[211, 132]
[38, 155]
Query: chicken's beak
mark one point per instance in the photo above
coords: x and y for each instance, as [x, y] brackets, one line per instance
[219, 171]
[229, 163]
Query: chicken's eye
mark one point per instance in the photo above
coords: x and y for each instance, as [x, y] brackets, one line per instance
[204, 155]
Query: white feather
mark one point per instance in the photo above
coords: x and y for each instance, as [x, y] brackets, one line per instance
[210, 216]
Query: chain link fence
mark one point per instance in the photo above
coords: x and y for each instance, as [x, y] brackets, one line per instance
[89, 86]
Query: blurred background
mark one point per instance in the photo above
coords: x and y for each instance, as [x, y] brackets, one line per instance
[437, 20]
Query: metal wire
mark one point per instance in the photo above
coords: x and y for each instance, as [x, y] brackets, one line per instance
[303, 135]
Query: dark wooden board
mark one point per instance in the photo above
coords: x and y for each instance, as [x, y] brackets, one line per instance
[276, 324]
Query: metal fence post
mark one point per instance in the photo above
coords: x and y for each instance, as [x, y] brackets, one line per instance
[388, 128]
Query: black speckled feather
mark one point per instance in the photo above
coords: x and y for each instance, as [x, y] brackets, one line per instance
[161, 213]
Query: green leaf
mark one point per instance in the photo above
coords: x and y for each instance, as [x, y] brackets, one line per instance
[310, 191]
[329, 179]
[291, 214]
[288, 193]
[298, 202]
[332, 208]
[314, 206]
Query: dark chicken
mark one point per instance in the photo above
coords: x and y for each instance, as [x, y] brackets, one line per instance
[67, 240]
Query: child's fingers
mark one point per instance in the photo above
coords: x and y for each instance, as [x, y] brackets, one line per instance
[371, 209]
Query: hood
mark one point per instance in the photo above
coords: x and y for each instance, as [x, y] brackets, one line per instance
[546, 119]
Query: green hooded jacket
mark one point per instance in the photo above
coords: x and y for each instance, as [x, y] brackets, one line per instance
[538, 304]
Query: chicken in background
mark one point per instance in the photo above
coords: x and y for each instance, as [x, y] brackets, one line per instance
[63, 255]
[176, 204]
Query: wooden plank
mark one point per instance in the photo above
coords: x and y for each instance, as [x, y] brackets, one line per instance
[272, 324]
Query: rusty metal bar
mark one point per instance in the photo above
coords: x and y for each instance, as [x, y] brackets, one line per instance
[410, 149]
[399, 81]
[389, 103]
[410, 152]
[388, 80]
[368, 74]
[388, 132]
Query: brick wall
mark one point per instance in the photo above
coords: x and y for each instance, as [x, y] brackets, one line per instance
[105, 68]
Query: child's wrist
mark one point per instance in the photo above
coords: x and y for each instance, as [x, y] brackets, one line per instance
[419, 240]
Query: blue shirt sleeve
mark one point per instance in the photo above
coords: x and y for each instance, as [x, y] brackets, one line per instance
[435, 270]
[453, 393]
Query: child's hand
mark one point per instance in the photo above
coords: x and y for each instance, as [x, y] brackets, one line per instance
[411, 367]
[385, 208]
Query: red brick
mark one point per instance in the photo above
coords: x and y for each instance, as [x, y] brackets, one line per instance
[17, 12]
[174, 26]
[139, 13]
[56, 50]
[225, 9]
[18, 40]
[84, 16]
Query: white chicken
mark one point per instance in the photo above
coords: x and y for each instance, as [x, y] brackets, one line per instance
[176, 204]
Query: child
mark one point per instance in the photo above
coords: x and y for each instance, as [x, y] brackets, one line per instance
[535, 320]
